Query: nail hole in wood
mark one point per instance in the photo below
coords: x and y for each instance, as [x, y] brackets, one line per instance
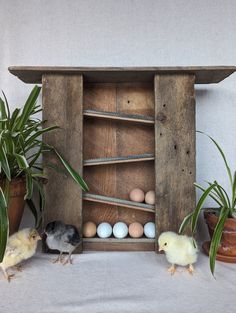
[128, 101]
[188, 152]
[175, 147]
[164, 105]
[160, 134]
[182, 170]
[190, 173]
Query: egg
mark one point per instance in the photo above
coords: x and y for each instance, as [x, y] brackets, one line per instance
[120, 230]
[137, 195]
[150, 230]
[104, 230]
[135, 230]
[89, 229]
[150, 197]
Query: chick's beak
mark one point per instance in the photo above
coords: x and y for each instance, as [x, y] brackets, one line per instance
[39, 237]
[160, 249]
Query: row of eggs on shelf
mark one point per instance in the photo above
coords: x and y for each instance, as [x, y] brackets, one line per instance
[138, 195]
[120, 230]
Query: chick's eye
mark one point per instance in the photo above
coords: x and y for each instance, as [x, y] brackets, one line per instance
[165, 244]
[33, 236]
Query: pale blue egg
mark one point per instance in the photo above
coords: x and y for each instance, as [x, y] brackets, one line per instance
[149, 230]
[120, 230]
[104, 230]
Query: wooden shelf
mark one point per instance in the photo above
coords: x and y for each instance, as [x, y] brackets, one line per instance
[203, 74]
[119, 202]
[121, 117]
[113, 244]
[115, 160]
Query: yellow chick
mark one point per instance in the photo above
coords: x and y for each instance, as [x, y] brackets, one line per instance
[179, 250]
[20, 246]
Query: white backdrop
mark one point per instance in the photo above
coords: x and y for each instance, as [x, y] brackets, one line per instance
[131, 33]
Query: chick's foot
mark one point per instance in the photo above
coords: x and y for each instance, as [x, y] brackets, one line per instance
[172, 269]
[191, 269]
[60, 259]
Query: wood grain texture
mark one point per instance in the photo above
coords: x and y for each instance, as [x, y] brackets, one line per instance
[104, 138]
[175, 149]
[63, 106]
[113, 244]
[203, 74]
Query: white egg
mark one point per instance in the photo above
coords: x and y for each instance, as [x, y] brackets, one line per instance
[120, 230]
[104, 230]
[149, 230]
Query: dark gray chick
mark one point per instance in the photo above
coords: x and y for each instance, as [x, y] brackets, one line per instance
[62, 237]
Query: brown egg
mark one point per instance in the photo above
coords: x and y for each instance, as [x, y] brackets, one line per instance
[89, 230]
[136, 230]
[150, 197]
[137, 195]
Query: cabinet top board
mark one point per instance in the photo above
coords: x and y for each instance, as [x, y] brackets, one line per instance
[203, 74]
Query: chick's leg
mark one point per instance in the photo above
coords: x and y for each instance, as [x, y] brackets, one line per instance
[68, 260]
[191, 269]
[7, 276]
[172, 269]
[59, 258]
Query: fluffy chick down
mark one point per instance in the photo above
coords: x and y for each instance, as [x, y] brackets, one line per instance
[20, 246]
[179, 249]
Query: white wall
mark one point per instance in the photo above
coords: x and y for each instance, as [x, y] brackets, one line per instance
[131, 33]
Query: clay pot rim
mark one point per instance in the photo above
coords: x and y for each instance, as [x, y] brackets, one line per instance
[210, 217]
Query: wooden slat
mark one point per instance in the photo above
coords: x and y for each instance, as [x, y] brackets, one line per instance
[203, 74]
[119, 202]
[119, 116]
[113, 244]
[175, 143]
[115, 160]
[63, 106]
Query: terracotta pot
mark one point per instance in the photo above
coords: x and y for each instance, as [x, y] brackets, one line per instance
[17, 203]
[227, 249]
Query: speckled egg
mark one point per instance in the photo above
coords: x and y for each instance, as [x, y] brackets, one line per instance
[135, 230]
[137, 195]
[89, 229]
[150, 197]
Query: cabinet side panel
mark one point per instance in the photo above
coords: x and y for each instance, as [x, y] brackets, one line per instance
[63, 106]
[174, 150]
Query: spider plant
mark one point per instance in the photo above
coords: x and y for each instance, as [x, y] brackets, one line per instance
[226, 207]
[21, 147]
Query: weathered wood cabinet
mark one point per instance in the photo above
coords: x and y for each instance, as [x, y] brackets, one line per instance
[122, 128]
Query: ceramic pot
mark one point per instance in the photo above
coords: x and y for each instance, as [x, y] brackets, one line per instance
[227, 249]
[17, 203]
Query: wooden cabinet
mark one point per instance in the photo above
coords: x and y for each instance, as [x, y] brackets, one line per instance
[122, 128]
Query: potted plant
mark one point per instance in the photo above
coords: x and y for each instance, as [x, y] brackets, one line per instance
[221, 221]
[21, 172]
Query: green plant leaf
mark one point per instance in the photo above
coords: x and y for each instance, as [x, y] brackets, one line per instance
[72, 172]
[29, 185]
[13, 121]
[222, 154]
[4, 161]
[210, 194]
[3, 224]
[7, 105]
[33, 210]
[22, 162]
[215, 241]
[185, 222]
[199, 207]
[223, 194]
[39, 133]
[28, 107]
